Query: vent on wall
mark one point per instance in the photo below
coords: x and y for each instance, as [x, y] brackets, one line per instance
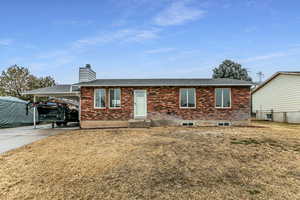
[188, 124]
[224, 124]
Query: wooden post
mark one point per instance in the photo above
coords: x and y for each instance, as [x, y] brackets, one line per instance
[34, 112]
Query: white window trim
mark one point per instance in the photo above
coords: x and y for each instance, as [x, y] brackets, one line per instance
[95, 98]
[187, 99]
[222, 106]
[109, 98]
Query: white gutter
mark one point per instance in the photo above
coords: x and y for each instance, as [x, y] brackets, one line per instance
[166, 85]
[45, 93]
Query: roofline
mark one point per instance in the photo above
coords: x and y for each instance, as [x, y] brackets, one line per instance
[93, 84]
[140, 85]
[290, 72]
[297, 73]
[35, 92]
[155, 78]
[48, 93]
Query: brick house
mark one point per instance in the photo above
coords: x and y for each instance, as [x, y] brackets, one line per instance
[199, 102]
[156, 102]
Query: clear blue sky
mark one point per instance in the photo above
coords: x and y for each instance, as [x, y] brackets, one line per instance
[149, 38]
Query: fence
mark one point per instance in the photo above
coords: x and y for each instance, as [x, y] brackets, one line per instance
[271, 115]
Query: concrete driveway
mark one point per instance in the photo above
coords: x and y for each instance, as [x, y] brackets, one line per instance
[12, 138]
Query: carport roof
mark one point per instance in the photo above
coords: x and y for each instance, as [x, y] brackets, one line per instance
[57, 90]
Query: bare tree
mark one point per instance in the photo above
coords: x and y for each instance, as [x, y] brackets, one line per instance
[16, 79]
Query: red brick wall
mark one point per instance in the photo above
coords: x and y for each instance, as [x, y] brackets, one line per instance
[163, 103]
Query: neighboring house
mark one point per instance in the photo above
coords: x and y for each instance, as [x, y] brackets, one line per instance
[278, 98]
[122, 102]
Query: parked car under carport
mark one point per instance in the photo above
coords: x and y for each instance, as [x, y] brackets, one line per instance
[57, 113]
[59, 91]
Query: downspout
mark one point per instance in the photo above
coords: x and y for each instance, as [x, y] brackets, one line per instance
[80, 106]
[34, 112]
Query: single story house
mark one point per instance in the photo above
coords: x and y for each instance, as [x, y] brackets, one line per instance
[122, 102]
[278, 98]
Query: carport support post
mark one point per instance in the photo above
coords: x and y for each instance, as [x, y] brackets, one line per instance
[34, 111]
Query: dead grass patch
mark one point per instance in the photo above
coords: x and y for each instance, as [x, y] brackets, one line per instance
[157, 163]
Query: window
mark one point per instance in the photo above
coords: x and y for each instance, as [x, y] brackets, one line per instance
[269, 116]
[187, 98]
[115, 98]
[100, 95]
[223, 98]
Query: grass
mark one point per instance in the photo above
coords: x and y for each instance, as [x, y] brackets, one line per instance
[261, 162]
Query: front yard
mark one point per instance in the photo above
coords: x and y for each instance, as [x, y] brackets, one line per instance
[260, 162]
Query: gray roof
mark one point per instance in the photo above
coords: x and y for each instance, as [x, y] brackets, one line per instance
[57, 89]
[165, 82]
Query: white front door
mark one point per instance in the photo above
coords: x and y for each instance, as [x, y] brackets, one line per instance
[140, 103]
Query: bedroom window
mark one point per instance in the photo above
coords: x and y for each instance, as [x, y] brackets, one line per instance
[115, 98]
[223, 97]
[100, 95]
[187, 98]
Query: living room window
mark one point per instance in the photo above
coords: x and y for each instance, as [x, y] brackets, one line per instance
[99, 100]
[187, 98]
[223, 97]
[115, 98]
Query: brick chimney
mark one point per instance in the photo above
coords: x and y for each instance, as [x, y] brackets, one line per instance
[86, 74]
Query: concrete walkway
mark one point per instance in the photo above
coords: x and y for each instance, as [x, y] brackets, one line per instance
[12, 138]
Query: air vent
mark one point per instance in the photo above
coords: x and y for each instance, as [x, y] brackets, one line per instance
[224, 124]
[188, 124]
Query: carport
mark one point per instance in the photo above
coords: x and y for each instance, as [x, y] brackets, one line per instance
[70, 92]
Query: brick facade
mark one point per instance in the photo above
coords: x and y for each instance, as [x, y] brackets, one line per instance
[163, 103]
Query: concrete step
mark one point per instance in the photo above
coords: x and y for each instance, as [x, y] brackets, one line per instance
[139, 123]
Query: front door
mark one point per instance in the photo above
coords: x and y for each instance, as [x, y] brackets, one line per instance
[140, 104]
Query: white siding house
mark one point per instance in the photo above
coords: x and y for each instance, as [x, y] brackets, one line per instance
[280, 93]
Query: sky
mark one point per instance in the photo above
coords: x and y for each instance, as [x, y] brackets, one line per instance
[149, 38]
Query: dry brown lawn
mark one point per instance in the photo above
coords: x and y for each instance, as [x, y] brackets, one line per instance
[157, 163]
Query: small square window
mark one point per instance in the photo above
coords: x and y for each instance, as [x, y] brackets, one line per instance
[223, 124]
[187, 124]
[269, 116]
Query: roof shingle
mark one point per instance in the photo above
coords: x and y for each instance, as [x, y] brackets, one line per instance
[165, 82]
